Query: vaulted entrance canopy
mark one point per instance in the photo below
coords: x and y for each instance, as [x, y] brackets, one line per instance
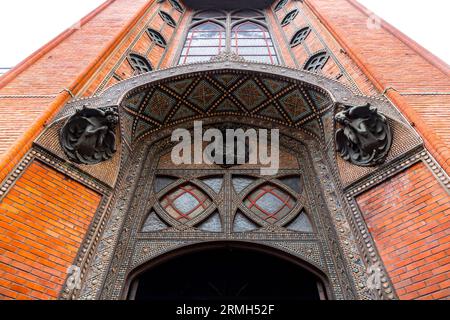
[221, 271]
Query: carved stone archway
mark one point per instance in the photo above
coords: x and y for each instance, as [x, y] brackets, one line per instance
[301, 104]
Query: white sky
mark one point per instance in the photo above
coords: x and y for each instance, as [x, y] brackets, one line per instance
[26, 25]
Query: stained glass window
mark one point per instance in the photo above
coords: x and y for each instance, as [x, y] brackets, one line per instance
[139, 64]
[270, 203]
[203, 42]
[289, 17]
[157, 38]
[300, 36]
[167, 19]
[252, 41]
[316, 62]
[186, 203]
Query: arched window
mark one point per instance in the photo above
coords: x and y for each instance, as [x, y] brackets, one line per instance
[167, 19]
[280, 5]
[289, 17]
[203, 42]
[139, 64]
[157, 38]
[300, 36]
[316, 62]
[252, 41]
[241, 31]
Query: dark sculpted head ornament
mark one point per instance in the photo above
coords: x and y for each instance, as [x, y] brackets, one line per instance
[88, 137]
[365, 137]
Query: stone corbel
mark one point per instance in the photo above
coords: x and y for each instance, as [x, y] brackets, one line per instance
[365, 136]
[88, 137]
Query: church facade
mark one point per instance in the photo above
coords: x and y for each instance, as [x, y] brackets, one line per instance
[92, 205]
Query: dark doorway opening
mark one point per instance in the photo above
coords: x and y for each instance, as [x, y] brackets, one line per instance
[227, 273]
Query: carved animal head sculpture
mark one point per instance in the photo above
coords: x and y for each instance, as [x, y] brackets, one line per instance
[365, 137]
[88, 136]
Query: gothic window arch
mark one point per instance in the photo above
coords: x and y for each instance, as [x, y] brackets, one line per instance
[316, 62]
[289, 17]
[300, 36]
[139, 63]
[252, 41]
[243, 32]
[167, 19]
[157, 38]
[203, 42]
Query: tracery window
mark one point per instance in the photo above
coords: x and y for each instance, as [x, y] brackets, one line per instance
[316, 62]
[157, 38]
[300, 36]
[176, 5]
[289, 17]
[243, 32]
[192, 198]
[167, 19]
[139, 64]
[280, 4]
[204, 41]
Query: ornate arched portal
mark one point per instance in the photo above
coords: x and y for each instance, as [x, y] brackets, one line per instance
[301, 211]
[226, 270]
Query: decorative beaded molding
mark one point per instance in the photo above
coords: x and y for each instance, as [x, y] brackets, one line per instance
[379, 177]
[54, 163]
[69, 170]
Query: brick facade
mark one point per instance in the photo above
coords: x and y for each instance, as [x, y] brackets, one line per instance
[43, 221]
[45, 215]
[409, 219]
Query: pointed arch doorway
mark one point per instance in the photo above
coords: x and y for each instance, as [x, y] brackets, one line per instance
[227, 271]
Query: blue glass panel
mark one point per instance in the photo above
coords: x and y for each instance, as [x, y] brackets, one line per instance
[186, 203]
[243, 224]
[270, 203]
[153, 223]
[162, 182]
[292, 182]
[214, 183]
[301, 224]
[240, 183]
[212, 224]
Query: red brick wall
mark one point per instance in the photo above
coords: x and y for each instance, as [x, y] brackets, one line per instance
[409, 219]
[412, 72]
[43, 220]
